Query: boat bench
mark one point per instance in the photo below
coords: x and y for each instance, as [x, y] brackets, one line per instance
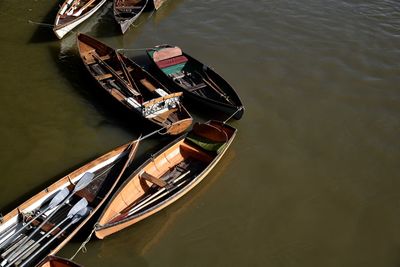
[152, 179]
[172, 65]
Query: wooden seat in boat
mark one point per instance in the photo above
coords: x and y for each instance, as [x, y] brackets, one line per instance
[148, 177]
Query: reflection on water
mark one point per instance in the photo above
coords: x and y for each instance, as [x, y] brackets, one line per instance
[312, 177]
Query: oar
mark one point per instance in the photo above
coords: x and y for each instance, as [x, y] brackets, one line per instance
[154, 199]
[81, 204]
[18, 241]
[214, 86]
[83, 8]
[82, 213]
[72, 8]
[116, 75]
[145, 200]
[7, 232]
[82, 183]
[57, 199]
[124, 69]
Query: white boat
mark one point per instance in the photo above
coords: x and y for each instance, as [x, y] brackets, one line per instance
[74, 12]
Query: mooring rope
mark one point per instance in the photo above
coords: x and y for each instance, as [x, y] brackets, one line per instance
[41, 23]
[230, 117]
[47, 25]
[82, 247]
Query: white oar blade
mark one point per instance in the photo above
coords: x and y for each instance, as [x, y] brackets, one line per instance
[58, 198]
[84, 181]
[81, 214]
[81, 204]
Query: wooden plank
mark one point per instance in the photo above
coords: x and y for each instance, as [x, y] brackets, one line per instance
[160, 99]
[106, 57]
[148, 84]
[153, 179]
[103, 76]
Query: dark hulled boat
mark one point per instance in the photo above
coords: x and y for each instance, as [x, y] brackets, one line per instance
[133, 86]
[196, 80]
[127, 11]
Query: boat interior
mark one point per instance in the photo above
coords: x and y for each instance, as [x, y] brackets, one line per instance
[130, 84]
[73, 9]
[172, 170]
[188, 73]
[51, 228]
[127, 9]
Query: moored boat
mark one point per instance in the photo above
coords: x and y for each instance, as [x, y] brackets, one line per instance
[53, 261]
[127, 11]
[166, 177]
[43, 224]
[195, 79]
[74, 12]
[134, 87]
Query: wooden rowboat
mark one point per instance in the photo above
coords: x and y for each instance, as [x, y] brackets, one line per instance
[74, 12]
[195, 79]
[127, 11]
[166, 177]
[42, 225]
[158, 3]
[53, 261]
[134, 87]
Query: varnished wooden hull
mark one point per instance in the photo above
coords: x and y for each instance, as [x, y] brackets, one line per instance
[236, 108]
[65, 23]
[53, 261]
[181, 117]
[134, 189]
[108, 169]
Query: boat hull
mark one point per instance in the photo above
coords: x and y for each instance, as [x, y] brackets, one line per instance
[125, 23]
[61, 30]
[235, 109]
[174, 120]
[105, 229]
[108, 161]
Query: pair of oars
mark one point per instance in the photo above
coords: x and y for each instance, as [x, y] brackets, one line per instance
[59, 200]
[150, 199]
[78, 211]
[214, 86]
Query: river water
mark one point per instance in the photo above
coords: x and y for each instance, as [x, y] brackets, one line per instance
[313, 176]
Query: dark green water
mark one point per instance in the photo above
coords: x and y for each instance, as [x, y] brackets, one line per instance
[313, 178]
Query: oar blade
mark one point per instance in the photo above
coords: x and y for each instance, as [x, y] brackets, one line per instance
[84, 181]
[81, 214]
[81, 204]
[58, 198]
